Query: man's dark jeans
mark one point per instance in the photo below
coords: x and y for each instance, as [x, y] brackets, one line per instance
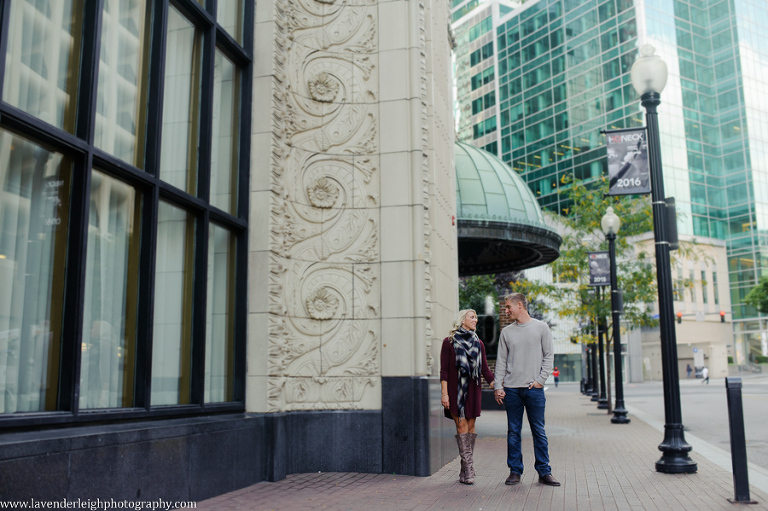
[532, 401]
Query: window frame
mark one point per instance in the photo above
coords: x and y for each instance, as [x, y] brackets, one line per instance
[85, 156]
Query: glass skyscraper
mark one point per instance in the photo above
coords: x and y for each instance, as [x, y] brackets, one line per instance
[536, 82]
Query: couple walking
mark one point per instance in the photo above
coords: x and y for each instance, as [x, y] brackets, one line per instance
[524, 361]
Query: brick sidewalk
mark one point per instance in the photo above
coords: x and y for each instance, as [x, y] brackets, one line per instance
[601, 466]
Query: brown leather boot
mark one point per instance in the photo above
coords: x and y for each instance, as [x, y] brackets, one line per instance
[465, 450]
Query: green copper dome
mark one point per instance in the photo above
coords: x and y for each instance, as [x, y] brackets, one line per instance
[500, 224]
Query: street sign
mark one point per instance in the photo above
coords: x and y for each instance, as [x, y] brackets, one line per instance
[628, 161]
[599, 269]
[698, 358]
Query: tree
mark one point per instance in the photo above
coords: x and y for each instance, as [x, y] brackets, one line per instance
[758, 296]
[475, 290]
[571, 296]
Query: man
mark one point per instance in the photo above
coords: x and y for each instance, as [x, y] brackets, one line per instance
[525, 358]
[705, 375]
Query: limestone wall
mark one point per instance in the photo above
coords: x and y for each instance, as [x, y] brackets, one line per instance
[352, 192]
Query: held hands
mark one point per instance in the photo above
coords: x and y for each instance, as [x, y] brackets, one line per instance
[499, 396]
[445, 401]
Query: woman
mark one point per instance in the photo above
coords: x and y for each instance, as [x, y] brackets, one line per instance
[462, 360]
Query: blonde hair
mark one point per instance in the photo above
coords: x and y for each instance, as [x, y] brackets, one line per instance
[460, 320]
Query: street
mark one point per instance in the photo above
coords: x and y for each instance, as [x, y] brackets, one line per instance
[705, 411]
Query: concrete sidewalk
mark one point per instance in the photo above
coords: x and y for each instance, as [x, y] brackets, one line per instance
[601, 466]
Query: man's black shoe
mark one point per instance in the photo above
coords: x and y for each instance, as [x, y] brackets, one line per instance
[548, 480]
[512, 479]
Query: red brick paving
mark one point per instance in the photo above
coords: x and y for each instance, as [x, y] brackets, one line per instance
[602, 467]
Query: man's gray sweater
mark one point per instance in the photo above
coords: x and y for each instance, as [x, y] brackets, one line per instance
[526, 354]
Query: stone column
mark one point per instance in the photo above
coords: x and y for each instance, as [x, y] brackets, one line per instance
[353, 251]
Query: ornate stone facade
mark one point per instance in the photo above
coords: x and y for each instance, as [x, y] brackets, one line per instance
[342, 200]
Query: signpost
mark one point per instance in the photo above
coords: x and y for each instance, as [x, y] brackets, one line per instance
[599, 268]
[628, 162]
[698, 358]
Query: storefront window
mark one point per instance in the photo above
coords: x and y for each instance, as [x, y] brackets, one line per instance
[219, 330]
[230, 17]
[172, 333]
[109, 316]
[34, 210]
[178, 155]
[43, 60]
[121, 104]
[120, 172]
[224, 158]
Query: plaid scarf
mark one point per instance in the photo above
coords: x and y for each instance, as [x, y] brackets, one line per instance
[467, 348]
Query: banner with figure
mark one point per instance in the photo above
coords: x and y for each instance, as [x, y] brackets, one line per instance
[628, 161]
[599, 269]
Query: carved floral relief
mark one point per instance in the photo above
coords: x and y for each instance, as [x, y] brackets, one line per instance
[322, 193]
[323, 87]
[323, 339]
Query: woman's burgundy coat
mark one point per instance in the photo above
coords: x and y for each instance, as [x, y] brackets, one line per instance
[449, 373]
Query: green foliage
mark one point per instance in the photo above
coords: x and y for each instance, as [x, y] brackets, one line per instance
[760, 359]
[758, 296]
[730, 359]
[571, 296]
[474, 290]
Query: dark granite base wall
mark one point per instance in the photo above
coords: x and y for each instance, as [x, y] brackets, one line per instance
[178, 459]
[198, 458]
[340, 441]
[405, 425]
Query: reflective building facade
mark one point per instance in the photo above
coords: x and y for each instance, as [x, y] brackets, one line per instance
[539, 85]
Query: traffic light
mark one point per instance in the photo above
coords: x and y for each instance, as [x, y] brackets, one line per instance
[722, 316]
[679, 317]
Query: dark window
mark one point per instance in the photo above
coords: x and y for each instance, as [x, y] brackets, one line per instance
[124, 170]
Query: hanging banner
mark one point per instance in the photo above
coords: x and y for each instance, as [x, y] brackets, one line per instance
[599, 269]
[628, 162]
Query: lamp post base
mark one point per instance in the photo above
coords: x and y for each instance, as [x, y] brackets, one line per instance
[676, 463]
[602, 403]
[620, 416]
[594, 396]
[674, 448]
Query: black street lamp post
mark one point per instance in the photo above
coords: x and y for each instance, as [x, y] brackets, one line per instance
[585, 365]
[611, 224]
[602, 400]
[593, 358]
[649, 76]
[588, 383]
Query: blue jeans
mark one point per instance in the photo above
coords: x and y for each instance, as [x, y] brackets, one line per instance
[532, 401]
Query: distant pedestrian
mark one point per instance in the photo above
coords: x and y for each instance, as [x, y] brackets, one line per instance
[556, 375]
[462, 361]
[523, 363]
[705, 375]
[688, 370]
